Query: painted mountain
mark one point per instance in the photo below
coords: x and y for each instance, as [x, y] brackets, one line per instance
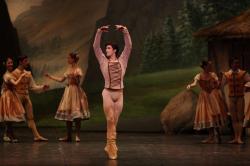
[49, 29]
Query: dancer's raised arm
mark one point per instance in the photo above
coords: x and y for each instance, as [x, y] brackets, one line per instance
[128, 43]
[97, 43]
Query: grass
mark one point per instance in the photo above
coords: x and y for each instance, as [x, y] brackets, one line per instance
[145, 96]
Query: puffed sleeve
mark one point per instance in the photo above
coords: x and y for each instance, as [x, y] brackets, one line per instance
[6, 77]
[79, 72]
[66, 73]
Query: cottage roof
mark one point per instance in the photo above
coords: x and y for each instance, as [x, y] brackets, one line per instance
[236, 27]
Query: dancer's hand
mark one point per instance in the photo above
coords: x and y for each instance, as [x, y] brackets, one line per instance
[188, 87]
[104, 28]
[120, 28]
[27, 74]
[24, 74]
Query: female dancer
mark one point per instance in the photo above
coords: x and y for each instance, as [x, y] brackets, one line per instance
[113, 69]
[11, 109]
[207, 109]
[74, 103]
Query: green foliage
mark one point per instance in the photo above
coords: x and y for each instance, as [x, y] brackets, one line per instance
[160, 50]
[170, 57]
[184, 33]
[152, 53]
[225, 9]
[175, 46]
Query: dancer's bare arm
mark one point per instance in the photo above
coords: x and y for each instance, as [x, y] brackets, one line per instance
[128, 43]
[54, 78]
[97, 43]
[37, 88]
[194, 83]
[15, 82]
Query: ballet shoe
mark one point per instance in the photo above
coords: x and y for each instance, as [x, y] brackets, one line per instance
[233, 141]
[111, 149]
[6, 138]
[65, 139]
[78, 139]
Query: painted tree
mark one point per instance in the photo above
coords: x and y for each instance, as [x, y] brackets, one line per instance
[170, 57]
[184, 33]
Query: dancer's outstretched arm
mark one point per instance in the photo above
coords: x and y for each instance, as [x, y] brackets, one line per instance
[97, 43]
[36, 88]
[194, 83]
[128, 43]
[58, 79]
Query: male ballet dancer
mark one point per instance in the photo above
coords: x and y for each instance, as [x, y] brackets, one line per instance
[236, 80]
[113, 68]
[22, 89]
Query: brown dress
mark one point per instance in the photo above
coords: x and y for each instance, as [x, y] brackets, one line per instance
[207, 108]
[11, 108]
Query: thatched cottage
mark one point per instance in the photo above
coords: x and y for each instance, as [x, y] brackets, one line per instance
[228, 39]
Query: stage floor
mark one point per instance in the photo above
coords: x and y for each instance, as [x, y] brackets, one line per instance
[135, 149]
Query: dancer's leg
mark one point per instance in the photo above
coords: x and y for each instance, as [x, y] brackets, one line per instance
[240, 117]
[78, 129]
[232, 110]
[67, 138]
[109, 108]
[7, 134]
[30, 119]
[118, 107]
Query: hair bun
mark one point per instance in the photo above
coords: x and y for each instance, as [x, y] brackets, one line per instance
[204, 63]
[75, 56]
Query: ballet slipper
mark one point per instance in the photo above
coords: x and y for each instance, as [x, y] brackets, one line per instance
[111, 149]
[65, 139]
[78, 139]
